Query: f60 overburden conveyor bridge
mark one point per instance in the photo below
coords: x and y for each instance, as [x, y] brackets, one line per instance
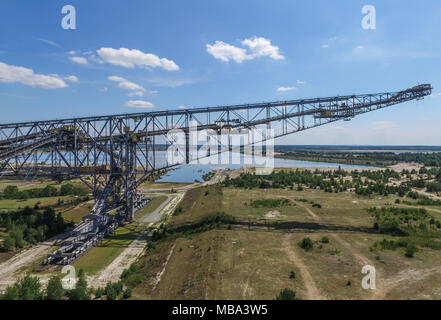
[113, 154]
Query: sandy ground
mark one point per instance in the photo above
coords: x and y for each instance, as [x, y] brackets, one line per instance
[9, 270]
[408, 166]
[427, 194]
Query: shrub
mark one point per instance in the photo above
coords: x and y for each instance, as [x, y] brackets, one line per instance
[325, 239]
[410, 250]
[99, 293]
[151, 245]
[287, 294]
[134, 280]
[127, 293]
[292, 275]
[306, 244]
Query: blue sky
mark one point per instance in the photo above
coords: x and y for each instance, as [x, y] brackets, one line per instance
[129, 56]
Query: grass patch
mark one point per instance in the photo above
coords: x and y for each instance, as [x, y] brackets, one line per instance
[152, 206]
[102, 255]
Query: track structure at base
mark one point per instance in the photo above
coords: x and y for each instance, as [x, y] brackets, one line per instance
[114, 154]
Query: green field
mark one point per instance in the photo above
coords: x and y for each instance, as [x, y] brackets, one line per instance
[7, 204]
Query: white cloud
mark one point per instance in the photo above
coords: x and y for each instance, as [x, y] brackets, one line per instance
[72, 52]
[130, 58]
[226, 52]
[71, 78]
[52, 43]
[136, 94]
[325, 46]
[105, 89]
[79, 60]
[139, 104]
[14, 74]
[182, 107]
[261, 47]
[285, 89]
[128, 85]
[258, 47]
[300, 82]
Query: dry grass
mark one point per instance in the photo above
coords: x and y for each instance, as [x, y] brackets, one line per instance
[201, 266]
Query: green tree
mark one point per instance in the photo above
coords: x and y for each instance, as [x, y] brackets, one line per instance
[66, 189]
[9, 244]
[11, 293]
[81, 291]
[29, 288]
[55, 289]
[11, 192]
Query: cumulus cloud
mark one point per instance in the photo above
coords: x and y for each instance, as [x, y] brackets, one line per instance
[182, 107]
[226, 52]
[139, 104]
[257, 47]
[128, 85]
[261, 47]
[285, 89]
[130, 58]
[79, 60]
[26, 76]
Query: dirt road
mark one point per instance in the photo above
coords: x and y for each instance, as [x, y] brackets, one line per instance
[313, 293]
[9, 270]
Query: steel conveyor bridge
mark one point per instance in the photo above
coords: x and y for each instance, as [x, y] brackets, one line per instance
[115, 153]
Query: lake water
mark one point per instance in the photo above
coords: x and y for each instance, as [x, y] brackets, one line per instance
[190, 172]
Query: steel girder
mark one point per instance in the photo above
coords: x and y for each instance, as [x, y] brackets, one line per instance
[127, 146]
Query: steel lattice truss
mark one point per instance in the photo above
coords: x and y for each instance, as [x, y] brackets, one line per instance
[128, 146]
